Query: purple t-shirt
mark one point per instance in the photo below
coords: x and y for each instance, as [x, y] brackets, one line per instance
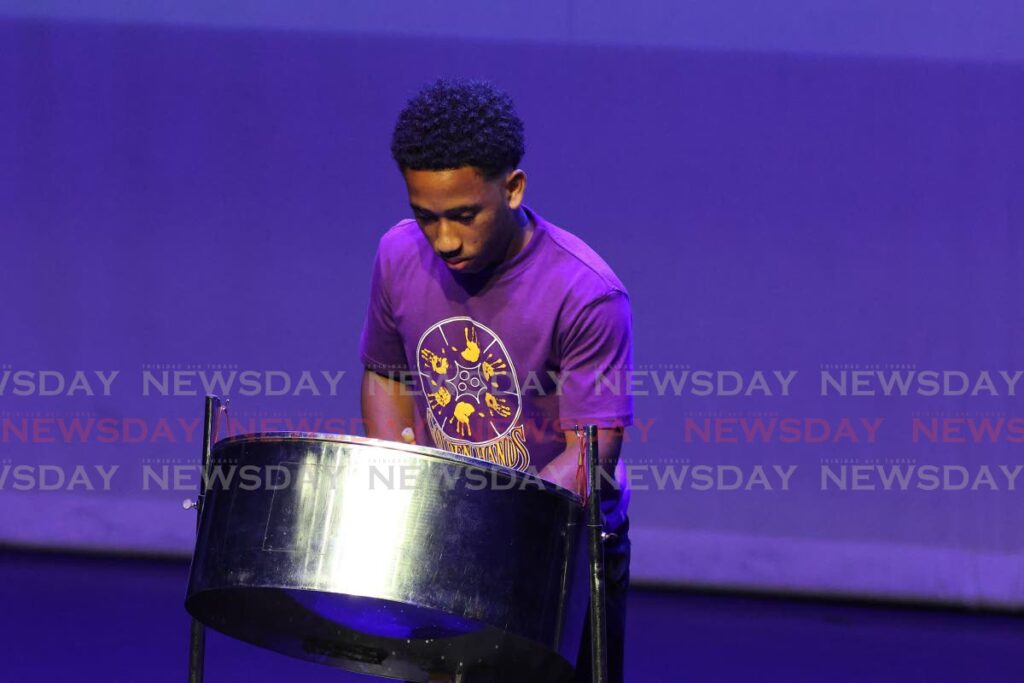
[502, 365]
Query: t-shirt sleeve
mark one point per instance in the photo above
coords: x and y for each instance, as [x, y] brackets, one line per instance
[597, 359]
[380, 344]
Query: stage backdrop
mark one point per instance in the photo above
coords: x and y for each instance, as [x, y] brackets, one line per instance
[822, 240]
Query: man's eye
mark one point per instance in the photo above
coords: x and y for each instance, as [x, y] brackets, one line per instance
[422, 219]
[466, 218]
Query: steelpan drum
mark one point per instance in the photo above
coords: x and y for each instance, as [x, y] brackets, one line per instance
[389, 559]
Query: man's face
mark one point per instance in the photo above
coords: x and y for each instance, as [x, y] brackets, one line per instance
[469, 220]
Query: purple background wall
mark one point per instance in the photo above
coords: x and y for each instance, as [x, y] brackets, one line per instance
[183, 195]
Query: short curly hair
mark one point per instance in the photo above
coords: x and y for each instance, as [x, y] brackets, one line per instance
[455, 123]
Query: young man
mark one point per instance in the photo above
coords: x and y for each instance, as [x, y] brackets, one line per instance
[514, 330]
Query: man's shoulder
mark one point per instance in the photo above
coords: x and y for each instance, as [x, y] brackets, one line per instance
[400, 248]
[403, 236]
[579, 264]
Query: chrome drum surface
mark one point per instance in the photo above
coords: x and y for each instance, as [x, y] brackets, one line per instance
[389, 559]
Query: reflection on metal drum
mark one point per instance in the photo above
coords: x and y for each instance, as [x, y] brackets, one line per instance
[390, 559]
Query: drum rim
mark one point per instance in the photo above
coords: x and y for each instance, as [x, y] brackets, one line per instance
[397, 446]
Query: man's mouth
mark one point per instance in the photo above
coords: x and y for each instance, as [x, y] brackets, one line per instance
[457, 264]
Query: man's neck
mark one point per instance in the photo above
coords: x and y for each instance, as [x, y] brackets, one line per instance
[521, 234]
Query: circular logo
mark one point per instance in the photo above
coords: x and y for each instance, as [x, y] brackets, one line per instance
[468, 380]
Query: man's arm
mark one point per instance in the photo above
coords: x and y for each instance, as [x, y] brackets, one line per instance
[597, 344]
[387, 407]
[563, 469]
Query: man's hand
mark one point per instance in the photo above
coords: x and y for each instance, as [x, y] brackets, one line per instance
[387, 407]
[565, 471]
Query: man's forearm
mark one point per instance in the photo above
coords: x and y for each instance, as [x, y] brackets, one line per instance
[564, 468]
[387, 407]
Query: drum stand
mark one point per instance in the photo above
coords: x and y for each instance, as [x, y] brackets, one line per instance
[595, 538]
[197, 637]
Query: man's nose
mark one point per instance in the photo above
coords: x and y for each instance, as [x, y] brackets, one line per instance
[448, 243]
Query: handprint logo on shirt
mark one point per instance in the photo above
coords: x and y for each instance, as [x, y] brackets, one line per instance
[469, 382]
[463, 411]
[472, 351]
[498, 367]
[438, 363]
[439, 398]
[498, 406]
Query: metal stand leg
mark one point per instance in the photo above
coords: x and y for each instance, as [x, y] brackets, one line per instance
[595, 530]
[196, 652]
[197, 635]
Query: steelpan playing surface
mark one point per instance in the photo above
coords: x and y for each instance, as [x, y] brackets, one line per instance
[390, 559]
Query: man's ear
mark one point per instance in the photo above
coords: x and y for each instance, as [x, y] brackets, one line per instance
[515, 188]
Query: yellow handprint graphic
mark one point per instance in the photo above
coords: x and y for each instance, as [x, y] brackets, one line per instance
[472, 351]
[498, 406]
[469, 383]
[498, 367]
[463, 411]
[437, 363]
[439, 398]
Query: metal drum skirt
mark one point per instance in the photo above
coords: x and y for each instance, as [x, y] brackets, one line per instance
[389, 559]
